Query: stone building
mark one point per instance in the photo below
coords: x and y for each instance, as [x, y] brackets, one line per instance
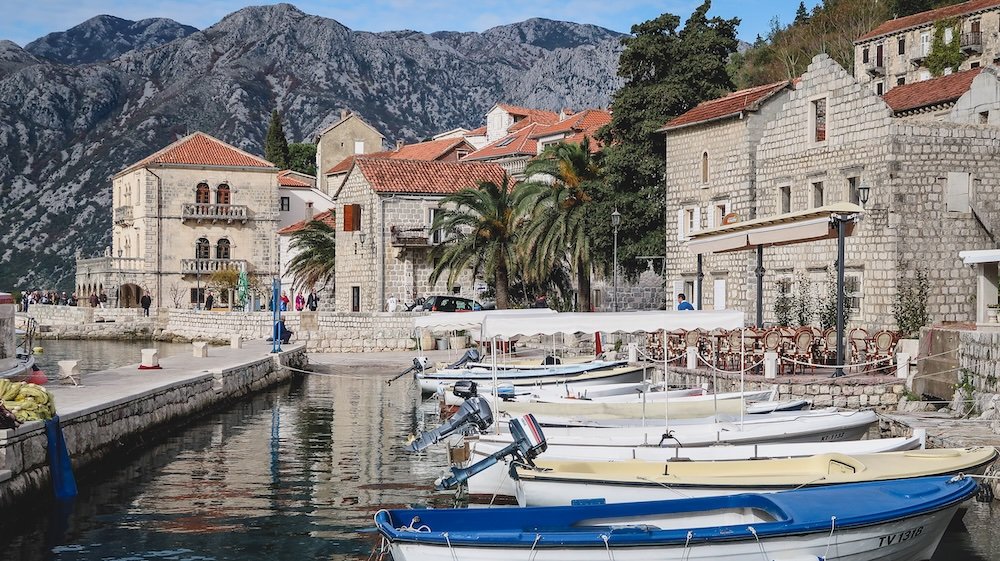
[933, 184]
[298, 198]
[449, 148]
[895, 52]
[349, 136]
[195, 207]
[711, 175]
[385, 208]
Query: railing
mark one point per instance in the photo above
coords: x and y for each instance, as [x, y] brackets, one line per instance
[410, 237]
[875, 68]
[206, 211]
[123, 214]
[209, 266]
[109, 264]
[972, 41]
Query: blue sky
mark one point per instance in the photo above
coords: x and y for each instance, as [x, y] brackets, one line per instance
[26, 20]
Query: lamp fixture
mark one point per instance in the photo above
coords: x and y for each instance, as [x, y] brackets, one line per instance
[616, 218]
[864, 192]
[361, 235]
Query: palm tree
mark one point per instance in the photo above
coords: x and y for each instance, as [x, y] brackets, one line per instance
[316, 246]
[558, 230]
[483, 225]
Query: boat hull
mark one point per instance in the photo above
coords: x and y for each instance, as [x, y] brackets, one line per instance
[496, 479]
[430, 383]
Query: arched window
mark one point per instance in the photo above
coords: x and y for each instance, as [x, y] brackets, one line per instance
[222, 195]
[704, 167]
[203, 195]
[222, 249]
[202, 249]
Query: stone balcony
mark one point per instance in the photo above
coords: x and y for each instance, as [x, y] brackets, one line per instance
[972, 42]
[123, 215]
[411, 237]
[209, 266]
[109, 264]
[214, 213]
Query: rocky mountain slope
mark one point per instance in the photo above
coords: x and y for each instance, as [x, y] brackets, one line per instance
[66, 128]
[106, 37]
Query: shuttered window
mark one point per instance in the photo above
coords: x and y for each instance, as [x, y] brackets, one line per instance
[352, 218]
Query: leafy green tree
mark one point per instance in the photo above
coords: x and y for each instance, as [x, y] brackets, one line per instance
[302, 158]
[666, 71]
[276, 145]
[902, 8]
[559, 231]
[314, 261]
[482, 225]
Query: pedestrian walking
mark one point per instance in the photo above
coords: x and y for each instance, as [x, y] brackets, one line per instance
[313, 301]
[145, 302]
[103, 300]
[300, 302]
[209, 300]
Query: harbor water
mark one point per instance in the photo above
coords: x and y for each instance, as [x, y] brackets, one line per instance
[292, 473]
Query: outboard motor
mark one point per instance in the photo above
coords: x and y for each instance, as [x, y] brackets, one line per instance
[465, 389]
[528, 443]
[474, 413]
[471, 355]
[420, 364]
[550, 360]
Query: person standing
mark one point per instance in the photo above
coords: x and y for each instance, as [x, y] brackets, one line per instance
[682, 303]
[103, 300]
[300, 302]
[209, 300]
[93, 300]
[313, 301]
[145, 302]
[284, 302]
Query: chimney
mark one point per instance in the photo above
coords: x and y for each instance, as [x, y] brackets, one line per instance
[344, 113]
[564, 113]
[309, 210]
[400, 144]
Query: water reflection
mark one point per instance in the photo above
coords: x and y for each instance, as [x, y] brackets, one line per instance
[100, 355]
[288, 474]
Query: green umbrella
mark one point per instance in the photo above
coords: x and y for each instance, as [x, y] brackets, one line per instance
[243, 289]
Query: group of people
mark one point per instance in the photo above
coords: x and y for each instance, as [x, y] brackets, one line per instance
[52, 297]
[310, 302]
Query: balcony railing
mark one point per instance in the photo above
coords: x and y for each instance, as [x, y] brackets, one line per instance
[209, 266]
[109, 264]
[123, 215]
[875, 68]
[205, 211]
[414, 237]
[972, 42]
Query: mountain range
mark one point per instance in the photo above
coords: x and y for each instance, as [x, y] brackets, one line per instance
[77, 106]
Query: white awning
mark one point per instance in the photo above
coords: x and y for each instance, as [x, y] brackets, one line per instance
[971, 257]
[612, 322]
[783, 229]
[455, 321]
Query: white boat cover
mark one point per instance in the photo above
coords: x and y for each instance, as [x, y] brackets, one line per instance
[454, 321]
[506, 326]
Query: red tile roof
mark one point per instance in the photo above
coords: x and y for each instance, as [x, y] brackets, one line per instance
[481, 131]
[588, 120]
[325, 217]
[517, 143]
[286, 179]
[930, 92]
[200, 149]
[535, 115]
[427, 151]
[730, 105]
[416, 176]
[930, 16]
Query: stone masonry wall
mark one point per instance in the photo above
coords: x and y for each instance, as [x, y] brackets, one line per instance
[979, 360]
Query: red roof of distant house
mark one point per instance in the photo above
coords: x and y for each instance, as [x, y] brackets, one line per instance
[588, 120]
[427, 151]
[326, 217]
[728, 106]
[535, 115]
[930, 92]
[200, 149]
[930, 16]
[417, 176]
[515, 144]
[481, 131]
[286, 179]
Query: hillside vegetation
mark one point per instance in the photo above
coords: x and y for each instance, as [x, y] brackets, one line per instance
[831, 27]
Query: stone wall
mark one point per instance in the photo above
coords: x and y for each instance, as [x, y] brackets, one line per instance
[72, 322]
[979, 361]
[853, 392]
[93, 433]
[646, 293]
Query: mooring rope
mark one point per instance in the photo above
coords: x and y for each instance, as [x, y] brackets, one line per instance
[753, 531]
[611, 555]
[687, 543]
[533, 553]
[454, 556]
[829, 540]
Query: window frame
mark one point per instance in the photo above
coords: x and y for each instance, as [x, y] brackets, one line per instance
[705, 169]
[784, 199]
[223, 188]
[223, 249]
[201, 249]
[203, 191]
[818, 188]
[814, 120]
[285, 204]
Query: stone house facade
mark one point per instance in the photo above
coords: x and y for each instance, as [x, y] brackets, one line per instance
[833, 136]
[445, 149]
[895, 52]
[711, 174]
[385, 207]
[349, 136]
[195, 207]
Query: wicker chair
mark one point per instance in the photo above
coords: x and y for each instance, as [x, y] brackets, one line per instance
[772, 341]
[803, 345]
[828, 346]
[883, 346]
[860, 348]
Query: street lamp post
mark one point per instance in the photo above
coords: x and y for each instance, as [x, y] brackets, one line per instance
[616, 220]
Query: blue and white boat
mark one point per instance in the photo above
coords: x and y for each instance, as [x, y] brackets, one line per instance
[889, 521]
[595, 372]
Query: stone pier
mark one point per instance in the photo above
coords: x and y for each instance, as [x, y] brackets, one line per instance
[118, 408]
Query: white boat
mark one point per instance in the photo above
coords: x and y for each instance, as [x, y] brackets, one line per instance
[561, 482]
[496, 479]
[579, 375]
[810, 426]
[660, 397]
[567, 391]
[726, 411]
[886, 521]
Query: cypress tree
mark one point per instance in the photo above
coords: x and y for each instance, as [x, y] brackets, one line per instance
[801, 15]
[276, 145]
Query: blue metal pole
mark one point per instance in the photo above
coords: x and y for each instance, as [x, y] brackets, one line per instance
[275, 314]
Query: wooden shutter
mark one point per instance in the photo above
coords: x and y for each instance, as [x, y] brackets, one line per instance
[356, 217]
[349, 218]
[680, 225]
